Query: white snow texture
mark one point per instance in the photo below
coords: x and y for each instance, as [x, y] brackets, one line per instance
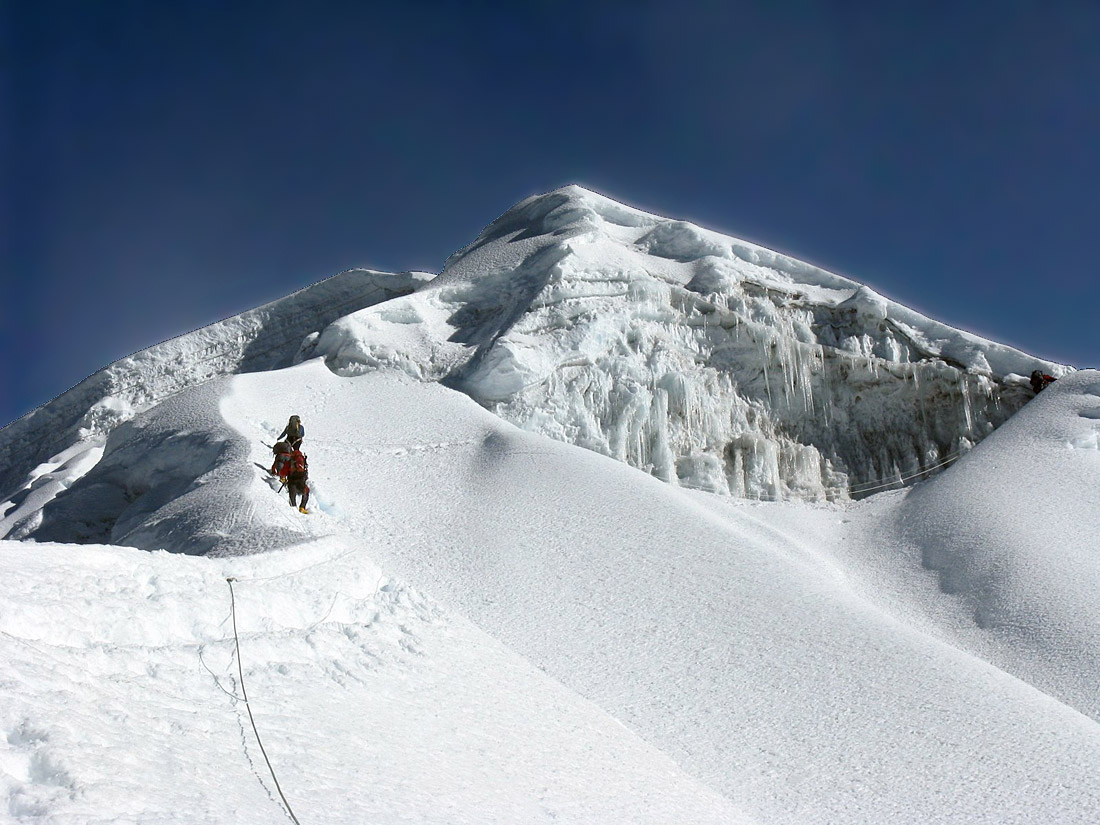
[615, 520]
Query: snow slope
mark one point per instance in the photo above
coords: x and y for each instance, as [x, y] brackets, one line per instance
[734, 662]
[375, 705]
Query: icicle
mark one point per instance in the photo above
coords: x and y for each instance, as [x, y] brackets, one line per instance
[966, 403]
[920, 398]
[767, 380]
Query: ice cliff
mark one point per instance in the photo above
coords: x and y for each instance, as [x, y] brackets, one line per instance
[707, 361]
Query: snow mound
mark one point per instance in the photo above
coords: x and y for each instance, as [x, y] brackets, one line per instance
[1003, 533]
[682, 241]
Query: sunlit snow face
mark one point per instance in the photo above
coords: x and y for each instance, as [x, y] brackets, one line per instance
[701, 359]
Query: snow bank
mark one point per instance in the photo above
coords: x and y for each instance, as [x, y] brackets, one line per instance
[1009, 534]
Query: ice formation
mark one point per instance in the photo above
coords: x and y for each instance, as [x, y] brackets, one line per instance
[706, 361]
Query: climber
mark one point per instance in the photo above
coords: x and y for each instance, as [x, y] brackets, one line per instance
[1040, 380]
[294, 432]
[297, 479]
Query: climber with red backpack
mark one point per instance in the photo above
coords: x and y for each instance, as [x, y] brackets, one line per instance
[292, 467]
[282, 460]
[1040, 381]
[296, 480]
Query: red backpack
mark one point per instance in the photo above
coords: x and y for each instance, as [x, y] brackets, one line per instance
[282, 465]
[297, 464]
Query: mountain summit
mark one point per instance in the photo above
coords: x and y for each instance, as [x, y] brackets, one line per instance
[707, 361]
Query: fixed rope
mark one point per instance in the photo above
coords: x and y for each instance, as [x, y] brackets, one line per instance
[248, 707]
[946, 460]
[300, 570]
[874, 486]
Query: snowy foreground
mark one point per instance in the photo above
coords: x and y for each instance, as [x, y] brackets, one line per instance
[615, 520]
[479, 624]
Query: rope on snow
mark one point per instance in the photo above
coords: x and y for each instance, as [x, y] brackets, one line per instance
[248, 707]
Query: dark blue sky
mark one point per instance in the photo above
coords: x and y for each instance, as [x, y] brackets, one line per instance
[169, 164]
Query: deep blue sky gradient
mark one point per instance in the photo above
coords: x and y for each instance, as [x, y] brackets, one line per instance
[170, 164]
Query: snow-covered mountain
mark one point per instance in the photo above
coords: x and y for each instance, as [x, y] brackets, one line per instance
[707, 361]
[487, 618]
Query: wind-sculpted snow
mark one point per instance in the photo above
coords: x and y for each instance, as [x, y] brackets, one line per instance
[1010, 572]
[272, 336]
[706, 361]
[174, 478]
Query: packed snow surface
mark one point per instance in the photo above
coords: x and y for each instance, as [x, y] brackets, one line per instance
[489, 616]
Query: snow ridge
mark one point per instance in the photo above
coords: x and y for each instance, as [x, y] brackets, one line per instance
[47, 449]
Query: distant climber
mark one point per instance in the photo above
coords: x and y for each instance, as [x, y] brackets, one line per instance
[1040, 380]
[294, 433]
